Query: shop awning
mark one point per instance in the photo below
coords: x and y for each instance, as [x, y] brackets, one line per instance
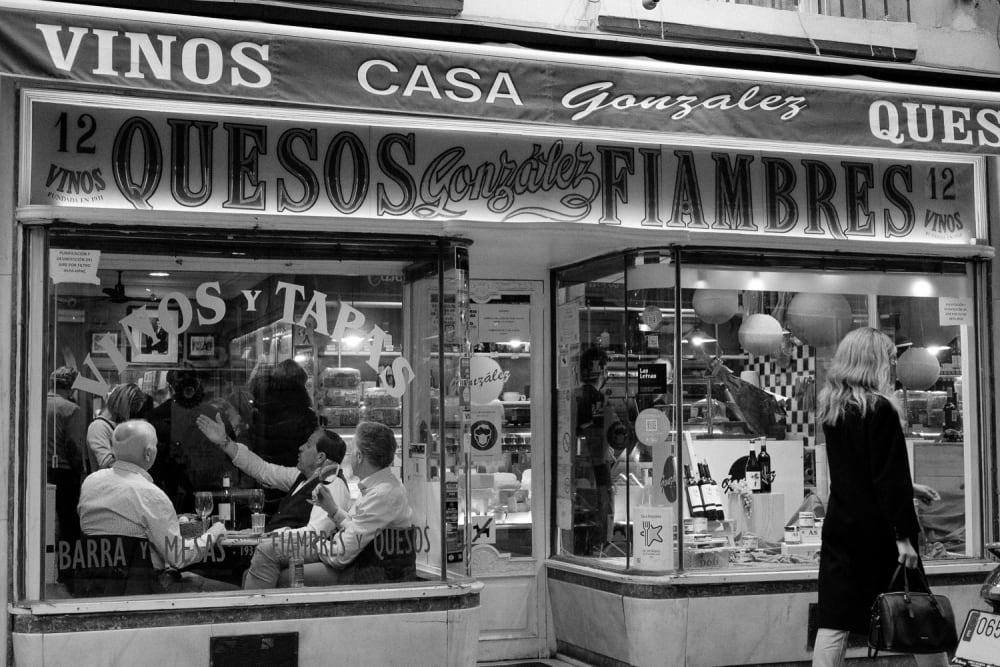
[246, 61]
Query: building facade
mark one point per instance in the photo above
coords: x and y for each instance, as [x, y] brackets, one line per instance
[466, 221]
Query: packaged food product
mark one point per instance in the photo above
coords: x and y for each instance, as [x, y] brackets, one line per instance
[345, 378]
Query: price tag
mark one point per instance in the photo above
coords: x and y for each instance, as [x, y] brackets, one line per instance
[979, 643]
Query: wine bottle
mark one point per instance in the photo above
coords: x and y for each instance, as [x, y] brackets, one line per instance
[951, 419]
[226, 503]
[711, 492]
[753, 471]
[692, 493]
[765, 469]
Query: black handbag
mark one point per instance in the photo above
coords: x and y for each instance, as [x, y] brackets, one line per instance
[911, 622]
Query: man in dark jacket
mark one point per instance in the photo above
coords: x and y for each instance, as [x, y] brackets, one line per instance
[65, 437]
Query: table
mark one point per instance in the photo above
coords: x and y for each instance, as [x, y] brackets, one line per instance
[237, 549]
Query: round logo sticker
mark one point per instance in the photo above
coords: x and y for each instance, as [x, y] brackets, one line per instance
[652, 427]
[484, 435]
[487, 379]
[651, 316]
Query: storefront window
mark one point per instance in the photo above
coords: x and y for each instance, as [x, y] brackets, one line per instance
[729, 470]
[287, 344]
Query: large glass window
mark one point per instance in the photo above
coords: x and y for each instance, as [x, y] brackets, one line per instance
[287, 343]
[686, 402]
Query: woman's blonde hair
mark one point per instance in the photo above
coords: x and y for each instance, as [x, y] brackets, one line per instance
[860, 373]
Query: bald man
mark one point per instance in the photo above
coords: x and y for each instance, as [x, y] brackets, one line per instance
[123, 500]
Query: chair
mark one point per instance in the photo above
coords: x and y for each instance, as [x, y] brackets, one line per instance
[390, 558]
[106, 565]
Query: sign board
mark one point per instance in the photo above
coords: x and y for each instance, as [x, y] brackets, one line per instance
[653, 378]
[263, 64]
[117, 161]
[653, 546]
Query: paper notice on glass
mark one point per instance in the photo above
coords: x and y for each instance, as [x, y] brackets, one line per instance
[568, 366]
[564, 425]
[507, 323]
[568, 323]
[73, 265]
[654, 544]
[564, 513]
[954, 310]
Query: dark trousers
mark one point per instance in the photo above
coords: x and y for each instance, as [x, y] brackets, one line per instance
[67, 484]
[67, 497]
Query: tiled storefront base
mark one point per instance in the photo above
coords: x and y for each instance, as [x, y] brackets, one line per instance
[606, 618]
[440, 624]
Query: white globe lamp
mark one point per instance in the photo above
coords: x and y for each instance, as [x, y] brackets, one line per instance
[819, 320]
[761, 334]
[918, 368]
[715, 306]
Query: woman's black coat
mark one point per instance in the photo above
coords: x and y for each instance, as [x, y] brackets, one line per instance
[871, 503]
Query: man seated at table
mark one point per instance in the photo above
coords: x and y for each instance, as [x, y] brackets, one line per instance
[373, 542]
[123, 501]
[319, 462]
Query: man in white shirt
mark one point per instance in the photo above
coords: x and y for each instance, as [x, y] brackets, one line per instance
[123, 501]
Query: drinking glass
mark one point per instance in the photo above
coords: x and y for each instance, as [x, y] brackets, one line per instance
[203, 505]
[256, 500]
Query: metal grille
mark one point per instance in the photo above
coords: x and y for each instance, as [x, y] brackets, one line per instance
[274, 650]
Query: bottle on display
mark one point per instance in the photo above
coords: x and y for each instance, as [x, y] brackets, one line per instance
[765, 469]
[753, 471]
[226, 503]
[647, 496]
[952, 421]
[692, 493]
[711, 493]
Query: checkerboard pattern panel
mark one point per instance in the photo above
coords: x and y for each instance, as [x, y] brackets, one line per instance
[797, 381]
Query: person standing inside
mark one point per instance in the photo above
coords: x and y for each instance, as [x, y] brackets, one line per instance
[870, 524]
[593, 458]
[65, 430]
[125, 401]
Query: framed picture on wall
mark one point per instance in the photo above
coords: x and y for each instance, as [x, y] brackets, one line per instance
[95, 337]
[160, 348]
[201, 346]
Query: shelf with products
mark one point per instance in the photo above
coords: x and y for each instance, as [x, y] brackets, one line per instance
[344, 388]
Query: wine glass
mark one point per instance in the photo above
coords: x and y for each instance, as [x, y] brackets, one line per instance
[203, 505]
[256, 500]
[256, 504]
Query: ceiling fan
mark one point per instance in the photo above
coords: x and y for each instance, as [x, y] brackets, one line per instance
[117, 294]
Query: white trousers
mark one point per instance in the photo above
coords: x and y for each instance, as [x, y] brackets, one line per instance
[831, 645]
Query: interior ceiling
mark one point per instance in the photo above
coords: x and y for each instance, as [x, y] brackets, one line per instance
[186, 273]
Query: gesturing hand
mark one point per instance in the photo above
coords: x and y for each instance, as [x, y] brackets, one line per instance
[213, 430]
[323, 498]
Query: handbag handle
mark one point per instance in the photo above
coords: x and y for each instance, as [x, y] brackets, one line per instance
[906, 587]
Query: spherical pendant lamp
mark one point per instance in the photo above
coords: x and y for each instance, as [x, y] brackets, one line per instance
[715, 306]
[761, 334]
[819, 320]
[917, 368]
